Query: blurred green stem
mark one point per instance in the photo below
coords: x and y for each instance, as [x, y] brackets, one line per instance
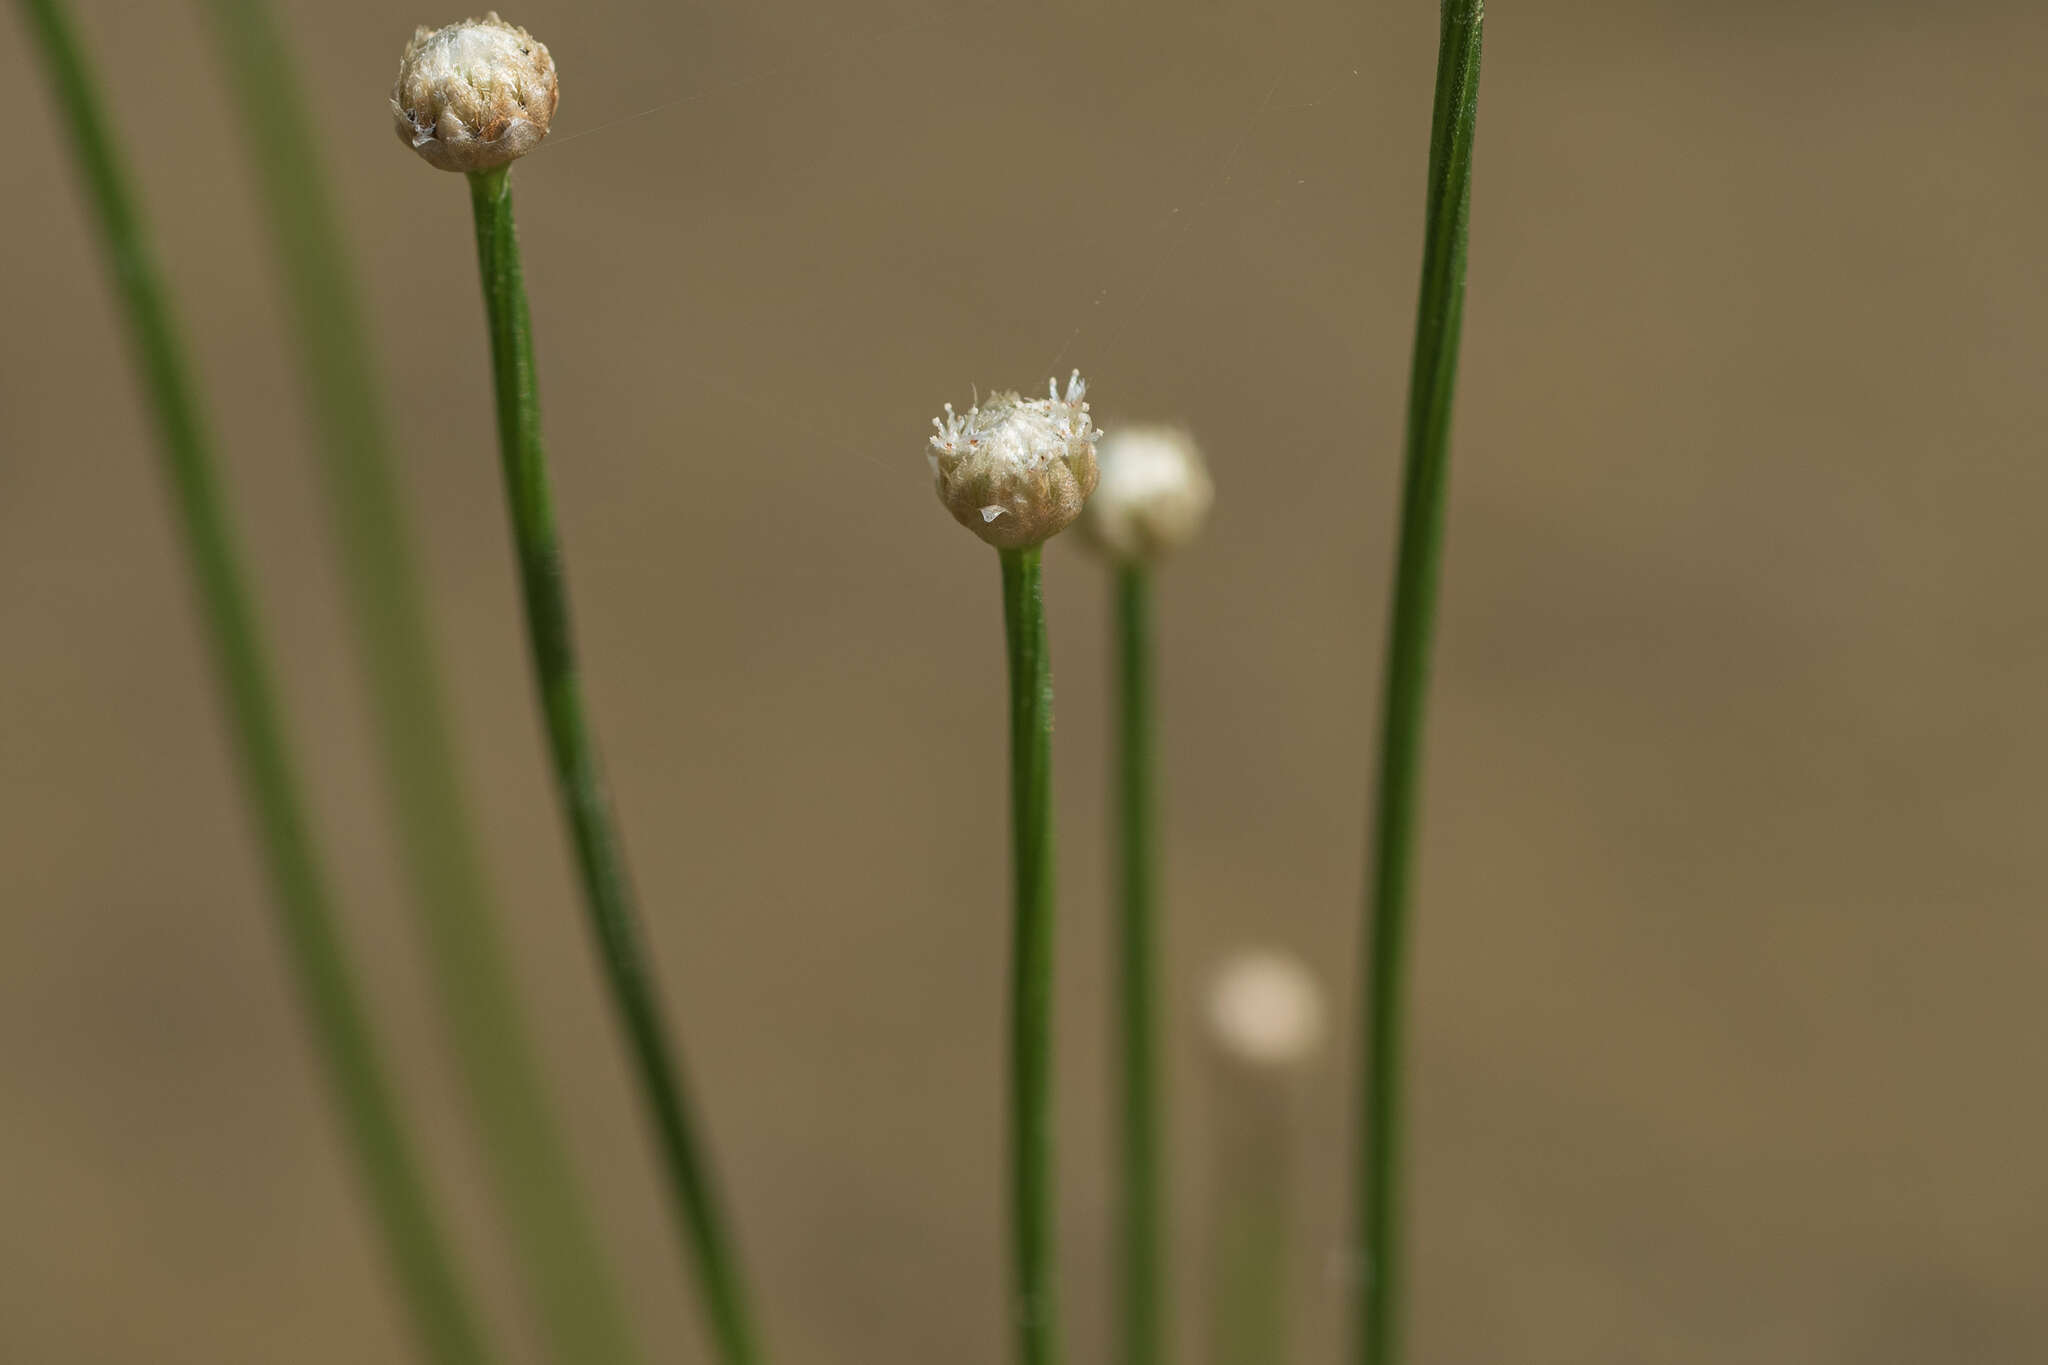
[1032, 1197]
[599, 856]
[1406, 688]
[448, 1328]
[1142, 1270]
[565, 1270]
[1248, 1299]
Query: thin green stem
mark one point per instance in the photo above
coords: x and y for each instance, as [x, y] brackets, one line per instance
[1143, 1252]
[600, 858]
[1248, 1299]
[568, 1280]
[1406, 688]
[448, 1328]
[1034, 1248]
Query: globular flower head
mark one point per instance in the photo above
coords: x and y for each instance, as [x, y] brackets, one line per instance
[1016, 471]
[474, 95]
[1154, 496]
[1266, 1010]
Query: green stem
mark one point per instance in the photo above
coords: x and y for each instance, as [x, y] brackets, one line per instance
[1249, 1298]
[448, 1328]
[1406, 687]
[1031, 960]
[600, 859]
[1143, 1252]
[536, 1190]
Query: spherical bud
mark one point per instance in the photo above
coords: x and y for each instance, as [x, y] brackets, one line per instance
[1015, 471]
[1154, 496]
[474, 95]
[1266, 1010]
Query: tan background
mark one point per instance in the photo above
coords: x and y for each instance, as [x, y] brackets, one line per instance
[1730, 1025]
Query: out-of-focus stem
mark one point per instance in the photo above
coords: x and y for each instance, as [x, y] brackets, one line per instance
[448, 1328]
[1143, 1251]
[567, 1277]
[1249, 1210]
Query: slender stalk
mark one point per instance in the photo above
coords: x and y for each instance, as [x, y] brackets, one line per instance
[1031, 960]
[535, 1187]
[448, 1328]
[600, 858]
[1406, 687]
[1248, 1297]
[1143, 1253]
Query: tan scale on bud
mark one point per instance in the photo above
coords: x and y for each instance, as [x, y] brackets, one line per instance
[474, 95]
[1016, 471]
[1154, 495]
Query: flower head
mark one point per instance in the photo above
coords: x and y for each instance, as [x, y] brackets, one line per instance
[1265, 1009]
[474, 95]
[1016, 471]
[1154, 496]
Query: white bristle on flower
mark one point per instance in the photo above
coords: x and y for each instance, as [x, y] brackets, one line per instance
[1264, 1008]
[1016, 471]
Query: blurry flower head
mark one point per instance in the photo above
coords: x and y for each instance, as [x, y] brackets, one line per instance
[1264, 1008]
[474, 95]
[1016, 471]
[1154, 495]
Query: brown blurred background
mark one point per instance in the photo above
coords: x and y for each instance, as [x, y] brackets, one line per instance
[1730, 1024]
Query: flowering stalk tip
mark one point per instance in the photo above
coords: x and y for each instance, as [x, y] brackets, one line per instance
[1266, 1010]
[1154, 494]
[1017, 471]
[475, 95]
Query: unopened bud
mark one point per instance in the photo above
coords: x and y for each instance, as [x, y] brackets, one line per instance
[474, 95]
[1154, 496]
[1265, 1009]
[1016, 471]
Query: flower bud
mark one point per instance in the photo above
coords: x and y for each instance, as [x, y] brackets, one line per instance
[474, 95]
[1015, 471]
[1154, 496]
[1265, 1010]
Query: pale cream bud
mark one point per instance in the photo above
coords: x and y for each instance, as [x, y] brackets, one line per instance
[1015, 471]
[474, 95]
[1154, 496]
[1265, 1009]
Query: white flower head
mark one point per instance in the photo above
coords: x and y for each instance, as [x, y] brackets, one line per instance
[1016, 471]
[1265, 1009]
[474, 95]
[1154, 496]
